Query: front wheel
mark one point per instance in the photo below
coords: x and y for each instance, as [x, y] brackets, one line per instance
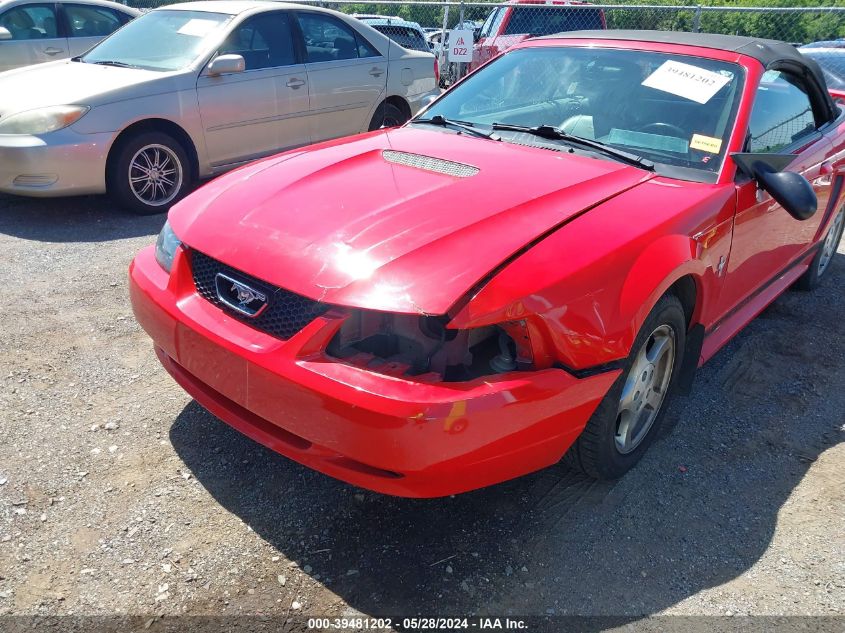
[629, 417]
[821, 262]
[150, 173]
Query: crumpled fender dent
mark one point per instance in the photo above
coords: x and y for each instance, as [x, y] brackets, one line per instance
[590, 302]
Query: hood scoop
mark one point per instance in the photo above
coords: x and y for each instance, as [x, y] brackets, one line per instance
[429, 163]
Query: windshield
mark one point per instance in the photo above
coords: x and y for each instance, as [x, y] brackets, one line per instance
[159, 40]
[670, 109]
[832, 63]
[404, 36]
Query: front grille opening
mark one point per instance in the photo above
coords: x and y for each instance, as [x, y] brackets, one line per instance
[286, 313]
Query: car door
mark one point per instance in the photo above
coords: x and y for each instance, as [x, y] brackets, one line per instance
[88, 24]
[35, 36]
[767, 238]
[347, 76]
[263, 109]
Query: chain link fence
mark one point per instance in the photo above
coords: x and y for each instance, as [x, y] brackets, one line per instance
[499, 26]
[792, 23]
[796, 24]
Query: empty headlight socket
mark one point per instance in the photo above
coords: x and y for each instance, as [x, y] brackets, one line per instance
[519, 334]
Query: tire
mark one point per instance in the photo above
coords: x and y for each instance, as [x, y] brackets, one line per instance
[811, 279]
[136, 156]
[387, 115]
[601, 451]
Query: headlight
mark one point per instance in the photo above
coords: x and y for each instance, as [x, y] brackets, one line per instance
[166, 246]
[42, 120]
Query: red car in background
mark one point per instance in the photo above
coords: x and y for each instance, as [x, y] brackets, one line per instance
[507, 26]
[526, 271]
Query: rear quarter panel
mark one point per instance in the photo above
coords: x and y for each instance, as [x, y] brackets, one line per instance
[411, 73]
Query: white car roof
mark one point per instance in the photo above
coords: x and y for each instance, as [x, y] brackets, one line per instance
[235, 7]
[375, 16]
[7, 4]
[391, 22]
[240, 7]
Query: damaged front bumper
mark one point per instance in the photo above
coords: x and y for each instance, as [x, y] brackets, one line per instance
[386, 433]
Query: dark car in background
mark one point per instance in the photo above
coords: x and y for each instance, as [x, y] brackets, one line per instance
[507, 26]
[832, 61]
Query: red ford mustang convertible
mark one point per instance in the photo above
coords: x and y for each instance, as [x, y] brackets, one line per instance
[525, 272]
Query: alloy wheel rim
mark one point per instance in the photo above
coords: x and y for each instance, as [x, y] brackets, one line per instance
[645, 389]
[830, 242]
[155, 175]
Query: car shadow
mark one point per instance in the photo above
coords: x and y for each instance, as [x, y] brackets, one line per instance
[77, 219]
[699, 510]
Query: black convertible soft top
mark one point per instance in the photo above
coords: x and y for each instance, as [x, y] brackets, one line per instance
[770, 53]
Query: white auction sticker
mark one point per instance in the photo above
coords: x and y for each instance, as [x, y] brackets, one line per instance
[198, 27]
[690, 82]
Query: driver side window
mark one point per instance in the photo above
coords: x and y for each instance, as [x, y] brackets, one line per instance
[782, 113]
[264, 41]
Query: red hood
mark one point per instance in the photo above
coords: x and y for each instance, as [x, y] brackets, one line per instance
[343, 225]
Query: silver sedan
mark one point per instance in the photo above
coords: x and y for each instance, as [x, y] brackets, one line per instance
[188, 91]
[33, 32]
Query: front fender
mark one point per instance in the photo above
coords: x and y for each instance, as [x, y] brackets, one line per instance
[657, 269]
[587, 289]
[592, 317]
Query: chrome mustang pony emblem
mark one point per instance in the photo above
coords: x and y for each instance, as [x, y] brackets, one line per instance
[245, 295]
[239, 296]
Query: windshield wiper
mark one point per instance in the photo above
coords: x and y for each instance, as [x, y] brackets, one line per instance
[109, 62]
[556, 134]
[459, 125]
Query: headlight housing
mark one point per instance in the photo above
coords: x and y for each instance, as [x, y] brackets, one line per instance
[42, 120]
[408, 345]
[166, 246]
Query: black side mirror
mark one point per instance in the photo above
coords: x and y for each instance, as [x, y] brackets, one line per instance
[789, 189]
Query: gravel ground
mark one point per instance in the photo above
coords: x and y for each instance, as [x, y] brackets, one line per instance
[118, 494]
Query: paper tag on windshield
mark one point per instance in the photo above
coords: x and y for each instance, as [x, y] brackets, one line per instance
[684, 80]
[706, 143]
[197, 27]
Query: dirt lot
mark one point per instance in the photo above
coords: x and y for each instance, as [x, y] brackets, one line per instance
[118, 494]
